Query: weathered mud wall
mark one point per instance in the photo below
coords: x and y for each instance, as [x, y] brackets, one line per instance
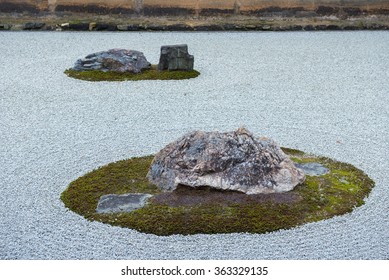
[33, 6]
[197, 7]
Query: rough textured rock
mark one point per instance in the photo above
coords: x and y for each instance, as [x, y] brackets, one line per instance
[5, 26]
[33, 25]
[227, 161]
[175, 57]
[113, 203]
[118, 60]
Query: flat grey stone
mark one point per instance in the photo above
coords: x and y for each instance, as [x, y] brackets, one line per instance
[114, 203]
[313, 168]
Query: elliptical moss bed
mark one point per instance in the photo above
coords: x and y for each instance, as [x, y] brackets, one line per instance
[188, 211]
[151, 74]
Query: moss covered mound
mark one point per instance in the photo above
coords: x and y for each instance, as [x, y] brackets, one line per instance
[151, 74]
[202, 210]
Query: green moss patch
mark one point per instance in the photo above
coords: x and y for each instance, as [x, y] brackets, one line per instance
[151, 74]
[203, 210]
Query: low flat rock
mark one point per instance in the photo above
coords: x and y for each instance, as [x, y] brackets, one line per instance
[113, 203]
[313, 168]
[116, 60]
[236, 161]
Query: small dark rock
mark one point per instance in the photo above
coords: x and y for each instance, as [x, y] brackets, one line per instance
[333, 27]
[33, 25]
[5, 26]
[230, 26]
[179, 27]
[309, 27]
[175, 57]
[326, 10]
[211, 27]
[49, 27]
[135, 27]
[376, 26]
[296, 27]
[78, 26]
[351, 27]
[321, 27]
[282, 28]
[105, 27]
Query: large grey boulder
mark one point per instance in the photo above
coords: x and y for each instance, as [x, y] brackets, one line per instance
[117, 60]
[175, 57]
[227, 161]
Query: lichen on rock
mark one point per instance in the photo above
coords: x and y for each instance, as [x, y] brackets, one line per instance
[116, 60]
[236, 161]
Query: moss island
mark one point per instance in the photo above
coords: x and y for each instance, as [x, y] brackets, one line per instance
[208, 211]
[152, 74]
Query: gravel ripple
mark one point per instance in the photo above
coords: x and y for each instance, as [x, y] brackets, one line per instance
[323, 92]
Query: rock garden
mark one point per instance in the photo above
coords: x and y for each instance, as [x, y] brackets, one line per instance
[121, 64]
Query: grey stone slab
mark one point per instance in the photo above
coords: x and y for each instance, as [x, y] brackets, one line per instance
[113, 203]
[313, 168]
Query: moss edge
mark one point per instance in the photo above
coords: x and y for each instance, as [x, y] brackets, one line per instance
[322, 197]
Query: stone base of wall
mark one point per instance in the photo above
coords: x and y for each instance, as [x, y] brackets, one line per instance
[200, 8]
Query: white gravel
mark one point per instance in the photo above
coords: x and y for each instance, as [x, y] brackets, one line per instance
[323, 92]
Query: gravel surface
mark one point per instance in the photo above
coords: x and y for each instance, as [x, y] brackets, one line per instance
[323, 92]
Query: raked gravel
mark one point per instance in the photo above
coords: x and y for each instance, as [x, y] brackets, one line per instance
[322, 92]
